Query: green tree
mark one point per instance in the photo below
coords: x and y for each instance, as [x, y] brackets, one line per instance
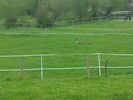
[81, 8]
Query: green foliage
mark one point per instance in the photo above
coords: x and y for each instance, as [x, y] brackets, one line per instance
[80, 8]
[12, 10]
[11, 21]
[43, 20]
[54, 11]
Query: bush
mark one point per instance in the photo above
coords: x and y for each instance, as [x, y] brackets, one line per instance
[43, 20]
[10, 21]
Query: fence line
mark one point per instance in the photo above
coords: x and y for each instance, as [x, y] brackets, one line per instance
[79, 54]
[74, 28]
[66, 22]
[42, 69]
[17, 56]
[89, 34]
[96, 29]
[117, 54]
[38, 55]
[66, 68]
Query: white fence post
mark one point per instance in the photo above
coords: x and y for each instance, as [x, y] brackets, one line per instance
[42, 67]
[99, 64]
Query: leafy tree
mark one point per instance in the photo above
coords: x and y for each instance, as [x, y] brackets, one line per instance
[47, 12]
[81, 8]
[43, 19]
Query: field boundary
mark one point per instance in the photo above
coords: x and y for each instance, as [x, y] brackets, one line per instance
[76, 54]
[65, 68]
[97, 29]
[84, 33]
[42, 69]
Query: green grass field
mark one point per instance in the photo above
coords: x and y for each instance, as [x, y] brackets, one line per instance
[99, 37]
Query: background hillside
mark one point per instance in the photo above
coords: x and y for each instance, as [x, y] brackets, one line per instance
[46, 13]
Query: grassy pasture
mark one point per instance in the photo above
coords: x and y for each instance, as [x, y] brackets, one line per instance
[65, 84]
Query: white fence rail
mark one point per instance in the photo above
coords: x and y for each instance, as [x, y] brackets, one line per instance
[43, 68]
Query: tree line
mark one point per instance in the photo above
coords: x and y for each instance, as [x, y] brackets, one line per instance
[44, 13]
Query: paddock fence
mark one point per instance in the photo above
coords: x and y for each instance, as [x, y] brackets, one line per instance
[59, 62]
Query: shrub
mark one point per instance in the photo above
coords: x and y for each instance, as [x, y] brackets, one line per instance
[43, 20]
[10, 21]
